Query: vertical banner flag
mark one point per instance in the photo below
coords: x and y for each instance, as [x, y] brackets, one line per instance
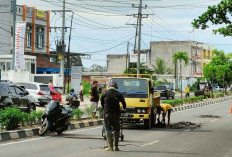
[76, 77]
[19, 46]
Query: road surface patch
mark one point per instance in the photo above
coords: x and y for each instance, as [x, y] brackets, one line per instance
[209, 116]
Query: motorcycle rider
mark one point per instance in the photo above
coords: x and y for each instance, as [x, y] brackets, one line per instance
[110, 103]
[73, 98]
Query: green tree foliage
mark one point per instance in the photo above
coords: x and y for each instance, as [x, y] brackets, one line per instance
[216, 15]
[160, 67]
[219, 69]
[181, 57]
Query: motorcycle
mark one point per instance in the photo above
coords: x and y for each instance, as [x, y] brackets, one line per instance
[55, 118]
[72, 102]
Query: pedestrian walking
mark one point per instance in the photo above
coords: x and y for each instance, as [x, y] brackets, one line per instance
[94, 98]
[187, 90]
[110, 103]
[81, 93]
[165, 108]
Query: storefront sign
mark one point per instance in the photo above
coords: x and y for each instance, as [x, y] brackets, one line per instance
[100, 79]
[19, 46]
[40, 14]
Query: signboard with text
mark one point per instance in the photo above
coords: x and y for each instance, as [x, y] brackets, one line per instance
[134, 58]
[40, 14]
[76, 77]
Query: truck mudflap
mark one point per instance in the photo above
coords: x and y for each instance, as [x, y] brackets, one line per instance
[134, 116]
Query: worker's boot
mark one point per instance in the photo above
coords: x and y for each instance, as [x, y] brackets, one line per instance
[116, 138]
[110, 143]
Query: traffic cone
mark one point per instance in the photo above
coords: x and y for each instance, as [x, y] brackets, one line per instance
[231, 109]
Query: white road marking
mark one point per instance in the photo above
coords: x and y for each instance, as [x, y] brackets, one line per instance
[148, 144]
[46, 137]
[84, 130]
[187, 130]
[213, 120]
[22, 141]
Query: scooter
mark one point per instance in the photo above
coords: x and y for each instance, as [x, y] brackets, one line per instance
[55, 118]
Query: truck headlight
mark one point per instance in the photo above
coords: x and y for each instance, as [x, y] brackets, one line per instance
[139, 111]
[143, 111]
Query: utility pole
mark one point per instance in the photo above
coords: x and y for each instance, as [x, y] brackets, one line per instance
[139, 23]
[68, 56]
[127, 60]
[63, 44]
[140, 31]
[14, 25]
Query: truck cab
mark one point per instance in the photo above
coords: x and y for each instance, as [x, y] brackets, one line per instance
[140, 98]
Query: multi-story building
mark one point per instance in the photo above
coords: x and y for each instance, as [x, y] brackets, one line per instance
[199, 53]
[36, 36]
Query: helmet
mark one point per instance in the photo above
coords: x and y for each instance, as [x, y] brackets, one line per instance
[113, 84]
[72, 90]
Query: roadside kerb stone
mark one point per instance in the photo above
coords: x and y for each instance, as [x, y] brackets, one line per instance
[200, 104]
[18, 134]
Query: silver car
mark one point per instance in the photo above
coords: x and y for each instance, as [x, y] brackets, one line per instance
[39, 91]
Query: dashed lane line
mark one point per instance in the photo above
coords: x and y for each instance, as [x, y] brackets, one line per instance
[148, 144]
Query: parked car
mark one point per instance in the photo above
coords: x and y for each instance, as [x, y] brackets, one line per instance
[165, 91]
[216, 88]
[13, 95]
[40, 92]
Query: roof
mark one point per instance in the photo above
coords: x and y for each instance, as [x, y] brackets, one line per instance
[44, 63]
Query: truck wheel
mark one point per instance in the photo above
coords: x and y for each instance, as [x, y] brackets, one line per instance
[147, 123]
[153, 118]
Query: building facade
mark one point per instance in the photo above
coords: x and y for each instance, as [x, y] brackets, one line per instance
[37, 30]
[199, 53]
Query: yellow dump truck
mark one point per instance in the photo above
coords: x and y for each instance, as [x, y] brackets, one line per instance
[140, 97]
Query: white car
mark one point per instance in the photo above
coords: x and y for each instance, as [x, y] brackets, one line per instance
[40, 92]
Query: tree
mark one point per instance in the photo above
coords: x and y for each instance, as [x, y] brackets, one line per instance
[97, 68]
[219, 69]
[181, 57]
[160, 67]
[217, 15]
[74, 61]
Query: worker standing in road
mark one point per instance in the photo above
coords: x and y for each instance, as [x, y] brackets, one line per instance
[166, 108]
[81, 93]
[187, 90]
[94, 98]
[110, 103]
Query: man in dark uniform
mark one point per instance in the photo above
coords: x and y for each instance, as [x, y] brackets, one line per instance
[110, 102]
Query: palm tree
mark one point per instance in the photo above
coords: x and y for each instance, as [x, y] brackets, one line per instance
[181, 56]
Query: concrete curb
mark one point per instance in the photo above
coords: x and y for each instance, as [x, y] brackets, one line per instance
[19, 134]
[200, 104]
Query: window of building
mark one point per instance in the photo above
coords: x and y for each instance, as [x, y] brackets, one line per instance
[2, 66]
[8, 66]
[32, 68]
[40, 37]
[29, 36]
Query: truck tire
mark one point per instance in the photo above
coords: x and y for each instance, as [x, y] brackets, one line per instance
[153, 118]
[147, 123]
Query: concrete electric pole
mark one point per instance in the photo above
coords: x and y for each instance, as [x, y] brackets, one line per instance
[63, 44]
[140, 31]
[14, 9]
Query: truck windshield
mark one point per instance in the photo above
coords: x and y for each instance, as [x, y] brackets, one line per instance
[132, 88]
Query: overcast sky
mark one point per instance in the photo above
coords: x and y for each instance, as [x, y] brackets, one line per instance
[100, 27]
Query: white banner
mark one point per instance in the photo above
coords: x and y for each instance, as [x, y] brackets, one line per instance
[76, 77]
[134, 58]
[19, 46]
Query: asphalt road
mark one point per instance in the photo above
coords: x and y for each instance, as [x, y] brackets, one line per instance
[212, 139]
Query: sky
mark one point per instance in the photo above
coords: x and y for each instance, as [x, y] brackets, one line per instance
[101, 27]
